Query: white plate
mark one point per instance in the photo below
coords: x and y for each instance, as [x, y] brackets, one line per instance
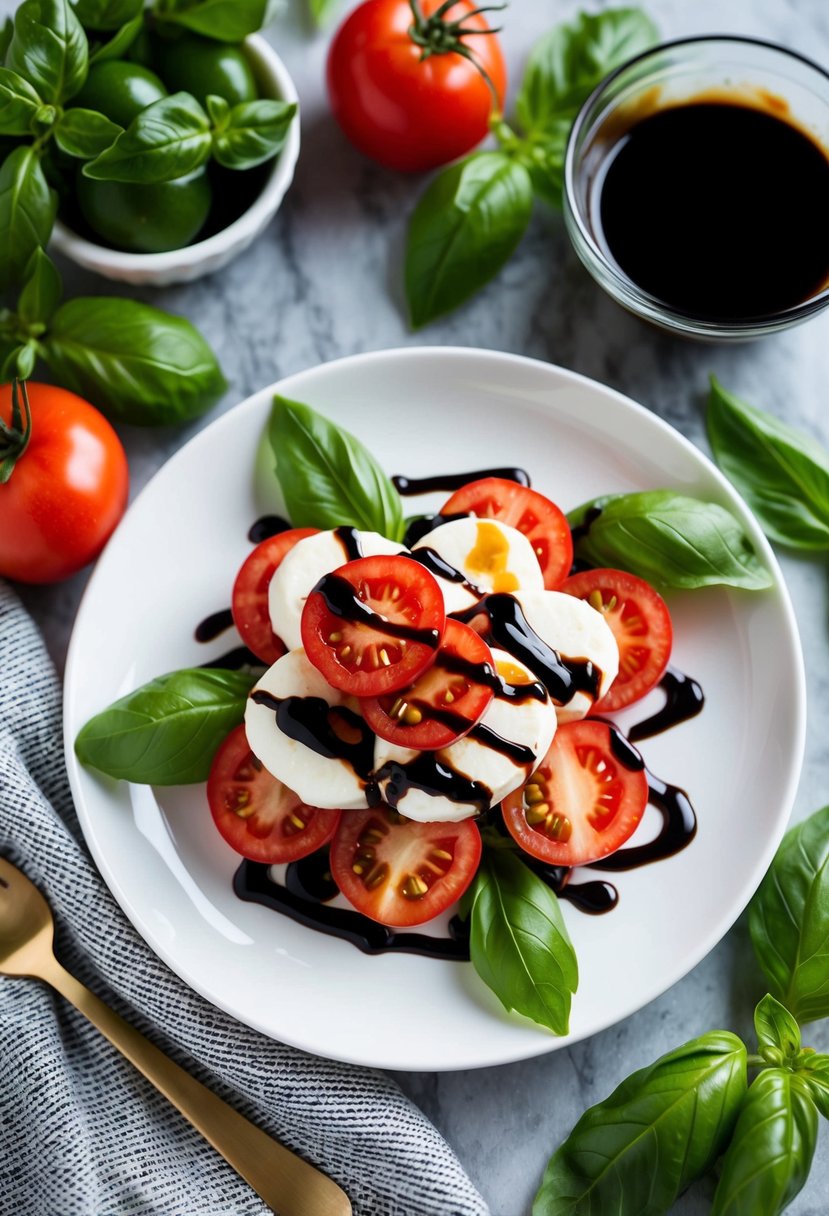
[172, 562]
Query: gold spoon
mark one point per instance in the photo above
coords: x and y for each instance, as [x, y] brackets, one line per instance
[286, 1183]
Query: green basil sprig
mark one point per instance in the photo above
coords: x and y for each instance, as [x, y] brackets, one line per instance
[518, 942]
[668, 539]
[789, 920]
[84, 133]
[116, 46]
[462, 231]
[223, 20]
[19, 103]
[636, 1151]
[771, 1151]
[107, 15]
[778, 1034]
[472, 216]
[167, 731]
[250, 133]
[167, 139]
[814, 1069]
[782, 473]
[327, 476]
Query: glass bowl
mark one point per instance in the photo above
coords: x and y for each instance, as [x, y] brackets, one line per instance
[725, 68]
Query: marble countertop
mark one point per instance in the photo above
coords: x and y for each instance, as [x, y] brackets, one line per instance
[289, 303]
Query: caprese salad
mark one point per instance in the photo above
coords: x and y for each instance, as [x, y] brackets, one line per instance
[416, 689]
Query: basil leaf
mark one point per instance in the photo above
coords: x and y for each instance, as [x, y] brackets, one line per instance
[327, 477]
[107, 14]
[49, 49]
[136, 363]
[789, 920]
[22, 363]
[568, 63]
[166, 732]
[41, 291]
[85, 133]
[775, 1027]
[169, 138]
[117, 46]
[782, 473]
[218, 110]
[320, 10]
[27, 213]
[770, 1154]
[636, 1151]
[19, 103]
[255, 131]
[518, 942]
[816, 1076]
[668, 539]
[463, 230]
[224, 20]
[544, 157]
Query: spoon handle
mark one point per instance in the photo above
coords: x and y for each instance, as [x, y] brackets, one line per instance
[285, 1182]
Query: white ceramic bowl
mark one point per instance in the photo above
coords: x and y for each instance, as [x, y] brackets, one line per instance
[202, 257]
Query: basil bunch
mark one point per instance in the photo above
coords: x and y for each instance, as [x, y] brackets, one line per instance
[472, 216]
[135, 362]
[667, 1124]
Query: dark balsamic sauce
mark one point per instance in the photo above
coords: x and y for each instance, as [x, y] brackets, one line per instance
[214, 625]
[684, 699]
[454, 481]
[266, 527]
[432, 561]
[679, 827]
[422, 525]
[342, 601]
[716, 208]
[349, 538]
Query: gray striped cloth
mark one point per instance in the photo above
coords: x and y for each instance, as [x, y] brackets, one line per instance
[82, 1133]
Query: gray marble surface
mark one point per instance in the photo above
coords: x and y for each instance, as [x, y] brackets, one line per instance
[324, 281]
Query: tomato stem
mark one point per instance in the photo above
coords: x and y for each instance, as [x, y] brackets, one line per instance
[14, 439]
[437, 35]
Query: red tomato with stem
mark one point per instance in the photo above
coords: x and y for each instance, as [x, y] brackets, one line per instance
[445, 702]
[583, 801]
[373, 625]
[542, 522]
[249, 605]
[641, 624]
[256, 814]
[401, 872]
[63, 483]
[413, 83]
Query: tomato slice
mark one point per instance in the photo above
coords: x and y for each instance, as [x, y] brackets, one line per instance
[641, 624]
[249, 606]
[374, 625]
[583, 801]
[399, 871]
[257, 815]
[445, 702]
[541, 521]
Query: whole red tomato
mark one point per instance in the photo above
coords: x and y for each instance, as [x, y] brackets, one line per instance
[406, 84]
[67, 490]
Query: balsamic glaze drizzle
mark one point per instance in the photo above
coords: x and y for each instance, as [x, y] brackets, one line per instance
[453, 481]
[684, 699]
[266, 527]
[213, 625]
[422, 525]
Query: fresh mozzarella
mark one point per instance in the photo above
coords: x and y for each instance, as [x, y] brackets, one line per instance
[577, 633]
[324, 781]
[303, 567]
[488, 554]
[529, 723]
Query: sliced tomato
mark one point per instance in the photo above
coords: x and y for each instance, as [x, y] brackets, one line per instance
[585, 799]
[401, 872]
[374, 625]
[541, 521]
[641, 624]
[249, 606]
[445, 702]
[257, 815]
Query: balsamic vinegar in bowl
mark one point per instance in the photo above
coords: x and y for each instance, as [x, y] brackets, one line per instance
[697, 187]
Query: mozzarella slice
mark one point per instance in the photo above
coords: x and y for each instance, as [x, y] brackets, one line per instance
[329, 781]
[303, 567]
[490, 556]
[469, 775]
[579, 634]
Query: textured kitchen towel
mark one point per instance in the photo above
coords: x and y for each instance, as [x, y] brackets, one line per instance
[83, 1134]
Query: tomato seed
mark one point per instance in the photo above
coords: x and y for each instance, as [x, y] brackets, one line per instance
[413, 887]
[376, 877]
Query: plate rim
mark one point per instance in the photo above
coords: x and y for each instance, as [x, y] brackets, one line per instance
[529, 1048]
